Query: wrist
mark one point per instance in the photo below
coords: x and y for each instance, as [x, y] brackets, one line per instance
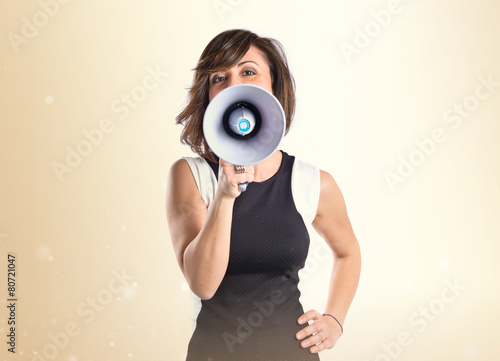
[335, 322]
[221, 197]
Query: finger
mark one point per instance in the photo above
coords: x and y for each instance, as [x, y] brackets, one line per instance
[308, 331]
[242, 178]
[322, 346]
[318, 342]
[250, 169]
[314, 341]
[234, 180]
[231, 168]
[225, 166]
[308, 316]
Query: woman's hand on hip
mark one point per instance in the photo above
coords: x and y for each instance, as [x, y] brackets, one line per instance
[320, 335]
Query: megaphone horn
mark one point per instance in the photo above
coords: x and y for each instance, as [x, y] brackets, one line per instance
[244, 125]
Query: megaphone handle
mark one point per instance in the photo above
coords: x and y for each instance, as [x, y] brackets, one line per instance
[243, 186]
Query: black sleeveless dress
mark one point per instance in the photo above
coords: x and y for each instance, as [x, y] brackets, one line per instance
[253, 315]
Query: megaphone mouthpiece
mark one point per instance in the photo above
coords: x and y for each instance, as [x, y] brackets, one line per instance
[241, 121]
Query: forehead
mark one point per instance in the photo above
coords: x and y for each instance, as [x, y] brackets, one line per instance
[253, 54]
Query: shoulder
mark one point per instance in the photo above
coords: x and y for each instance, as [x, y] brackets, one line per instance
[183, 198]
[179, 173]
[180, 176]
[327, 182]
[180, 166]
[186, 167]
[193, 173]
[331, 198]
[323, 198]
[195, 176]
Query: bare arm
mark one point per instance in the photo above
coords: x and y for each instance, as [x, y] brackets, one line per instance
[333, 224]
[201, 236]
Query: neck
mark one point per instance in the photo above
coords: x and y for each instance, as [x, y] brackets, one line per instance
[267, 168]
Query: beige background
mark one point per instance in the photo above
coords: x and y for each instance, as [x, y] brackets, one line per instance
[74, 231]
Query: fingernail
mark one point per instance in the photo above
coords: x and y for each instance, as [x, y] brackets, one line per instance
[299, 335]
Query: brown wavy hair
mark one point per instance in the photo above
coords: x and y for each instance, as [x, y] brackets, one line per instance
[223, 51]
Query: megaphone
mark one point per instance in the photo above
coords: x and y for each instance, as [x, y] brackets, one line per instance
[244, 125]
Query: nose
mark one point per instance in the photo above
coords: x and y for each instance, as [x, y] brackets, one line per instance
[234, 80]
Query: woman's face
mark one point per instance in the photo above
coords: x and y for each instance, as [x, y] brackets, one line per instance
[251, 69]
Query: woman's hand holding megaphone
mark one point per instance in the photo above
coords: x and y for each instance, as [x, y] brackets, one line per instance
[229, 179]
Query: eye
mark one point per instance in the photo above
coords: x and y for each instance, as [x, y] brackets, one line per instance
[249, 72]
[217, 79]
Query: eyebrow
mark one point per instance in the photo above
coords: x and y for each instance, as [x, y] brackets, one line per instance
[248, 61]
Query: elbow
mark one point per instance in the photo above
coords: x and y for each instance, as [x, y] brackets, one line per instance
[353, 254]
[206, 296]
[204, 293]
[202, 289]
[203, 282]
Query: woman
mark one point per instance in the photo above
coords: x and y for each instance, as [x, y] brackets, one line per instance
[241, 252]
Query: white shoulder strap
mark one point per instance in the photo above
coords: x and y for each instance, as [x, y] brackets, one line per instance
[204, 177]
[305, 189]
